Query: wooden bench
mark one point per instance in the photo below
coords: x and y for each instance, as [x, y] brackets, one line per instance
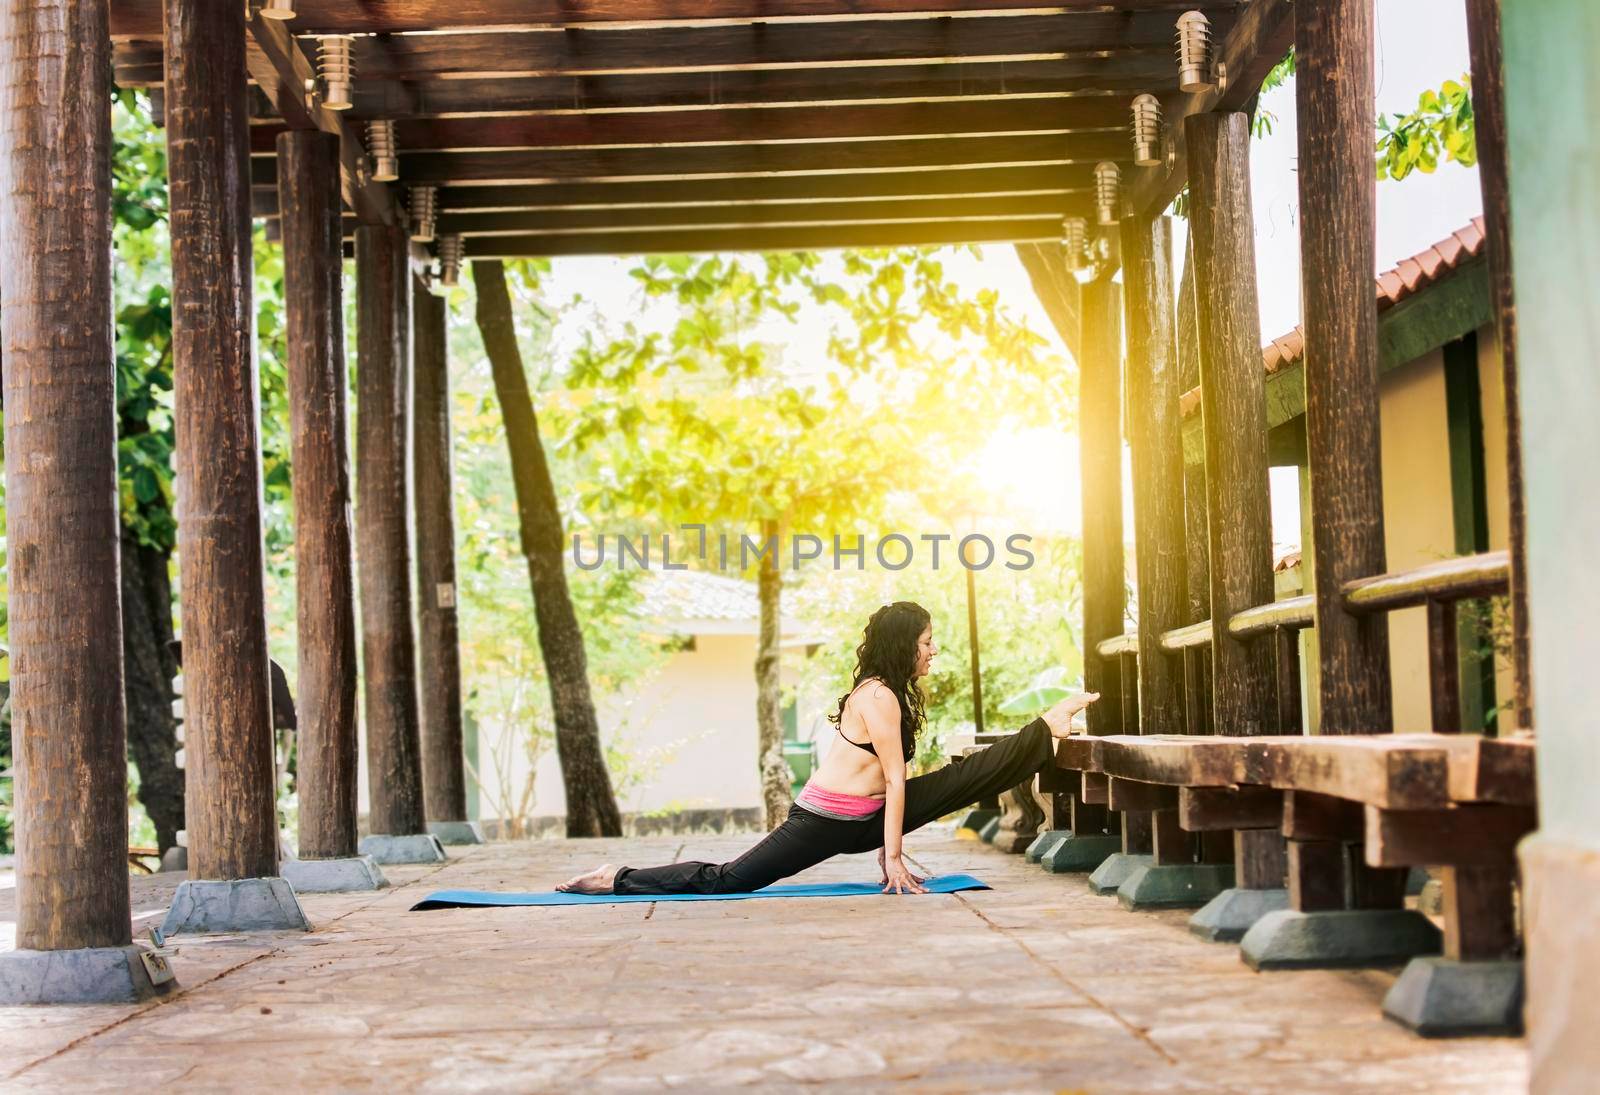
[1348, 816]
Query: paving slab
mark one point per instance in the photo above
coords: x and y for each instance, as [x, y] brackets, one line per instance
[1036, 985]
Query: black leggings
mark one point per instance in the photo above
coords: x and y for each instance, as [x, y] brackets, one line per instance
[806, 839]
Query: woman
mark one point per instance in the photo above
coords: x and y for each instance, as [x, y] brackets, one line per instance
[859, 798]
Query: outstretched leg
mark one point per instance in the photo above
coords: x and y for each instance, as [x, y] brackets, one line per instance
[965, 780]
[802, 841]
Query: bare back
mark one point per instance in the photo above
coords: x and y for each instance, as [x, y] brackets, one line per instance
[847, 768]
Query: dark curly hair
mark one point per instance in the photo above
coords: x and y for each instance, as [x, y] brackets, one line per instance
[888, 651]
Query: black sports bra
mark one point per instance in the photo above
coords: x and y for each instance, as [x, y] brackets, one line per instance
[867, 745]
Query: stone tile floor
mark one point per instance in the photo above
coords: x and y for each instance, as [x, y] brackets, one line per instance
[1037, 985]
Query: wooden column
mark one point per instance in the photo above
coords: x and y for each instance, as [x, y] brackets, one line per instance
[1489, 121]
[383, 548]
[231, 813]
[1156, 437]
[1100, 461]
[444, 778]
[1234, 408]
[1333, 96]
[1197, 550]
[313, 269]
[61, 476]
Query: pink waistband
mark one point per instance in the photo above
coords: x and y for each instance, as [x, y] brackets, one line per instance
[835, 802]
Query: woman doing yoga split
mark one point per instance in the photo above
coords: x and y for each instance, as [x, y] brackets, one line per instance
[838, 811]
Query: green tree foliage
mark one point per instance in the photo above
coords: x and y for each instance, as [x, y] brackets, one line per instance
[1439, 130]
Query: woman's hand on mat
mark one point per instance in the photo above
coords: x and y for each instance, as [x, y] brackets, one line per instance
[1059, 718]
[896, 879]
[883, 870]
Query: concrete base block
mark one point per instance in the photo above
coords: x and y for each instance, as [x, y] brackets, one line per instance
[1287, 940]
[990, 830]
[456, 832]
[1174, 885]
[1416, 879]
[977, 819]
[1231, 913]
[334, 875]
[1440, 997]
[1114, 871]
[1043, 843]
[1077, 854]
[1012, 843]
[87, 975]
[406, 848]
[240, 905]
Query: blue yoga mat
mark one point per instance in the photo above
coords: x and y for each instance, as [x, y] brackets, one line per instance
[470, 899]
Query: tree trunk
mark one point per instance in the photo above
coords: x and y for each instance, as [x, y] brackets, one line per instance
[148, 667]
[775, 794]
[591, 806]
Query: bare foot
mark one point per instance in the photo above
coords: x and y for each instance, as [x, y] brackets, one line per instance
[1059, 717]
[597, 881]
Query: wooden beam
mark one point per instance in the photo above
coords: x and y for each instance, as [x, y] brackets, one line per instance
[1315, 875]
[1260, 859]
[1045, 207]
[1030, 86]
[444, 780]
[232, 816]
[1170, 844]
[1309, 816]
[1338, 199]
[383, 549]
[1184, 760]
[508, 54]
[1478, 835]
[1051, 277]
[282, 70]
[1248, 51]
[1155, 435]
[1096, 789]
[1239, 510]
[63, 530]
[766, 126]
[1212, 809]
[1081, 150]
[1100, 468]
[1489, 126]
[921, 234]
[1127, 794]
[313, 274]
[1480, 916]
[135, 19]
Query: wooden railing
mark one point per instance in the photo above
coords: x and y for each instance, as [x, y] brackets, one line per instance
[1438, 586]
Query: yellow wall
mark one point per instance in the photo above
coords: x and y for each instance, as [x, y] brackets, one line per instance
[1418, 516]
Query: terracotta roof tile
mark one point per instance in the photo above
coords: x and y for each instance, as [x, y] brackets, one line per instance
[1409, 276]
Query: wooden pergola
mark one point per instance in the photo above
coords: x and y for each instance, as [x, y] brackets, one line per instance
[561, 127]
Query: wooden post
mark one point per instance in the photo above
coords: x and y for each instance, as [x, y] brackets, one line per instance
[61, 476]
[444, 779]
[313, 281]
[383, 549]
[231, 812]
[1197, 540]
[1333, 96]
[1489, 120]
[1156, 437]
[1100, 461]
[1234, 405]
[1444, 668]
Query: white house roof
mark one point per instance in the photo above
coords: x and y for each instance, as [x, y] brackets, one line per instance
[693, 602]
